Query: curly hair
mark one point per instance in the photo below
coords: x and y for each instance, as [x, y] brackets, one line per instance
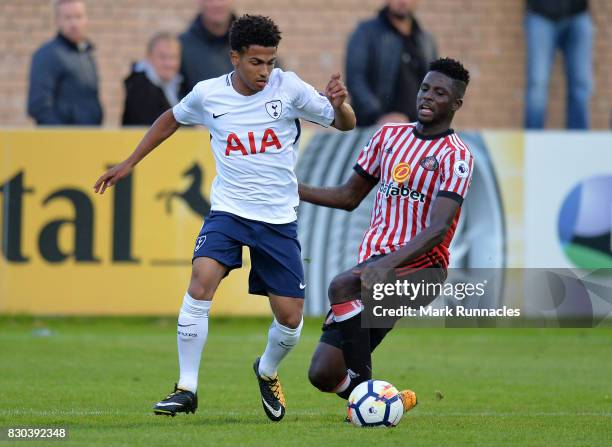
[253, 30]
[451, 68]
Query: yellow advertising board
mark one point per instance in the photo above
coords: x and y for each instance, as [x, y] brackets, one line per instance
[66, 250]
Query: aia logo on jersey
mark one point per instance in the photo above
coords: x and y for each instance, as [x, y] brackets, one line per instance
[401, 172]
[235, 144]
[274, 108]
[429, 163]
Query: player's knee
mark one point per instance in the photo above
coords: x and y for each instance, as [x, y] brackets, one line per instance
[206, 274]
[335, 290]
[200, 291]
[292, 321]
[342, 287]
[320, 378]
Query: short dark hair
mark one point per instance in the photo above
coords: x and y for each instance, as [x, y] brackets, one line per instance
[253, 30]
[454, 70]
[451, 68]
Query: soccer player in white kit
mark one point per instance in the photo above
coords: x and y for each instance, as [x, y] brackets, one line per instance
[253, 117]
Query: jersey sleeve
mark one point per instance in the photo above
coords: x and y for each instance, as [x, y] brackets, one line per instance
[457, 167]
[310, 104]
[190, 110]
[368, 162]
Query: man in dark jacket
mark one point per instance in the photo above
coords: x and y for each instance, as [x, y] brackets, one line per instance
[565, 25]
[205, 44]
[63, 77]
[387, 58]
[154, 84]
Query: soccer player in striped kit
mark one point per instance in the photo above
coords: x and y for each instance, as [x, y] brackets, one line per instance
[423, 171]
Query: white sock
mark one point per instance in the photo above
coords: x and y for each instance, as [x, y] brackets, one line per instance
[192, 331]
[281, 341]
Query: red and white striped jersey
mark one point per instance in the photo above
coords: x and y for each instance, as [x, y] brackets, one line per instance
[413, 170]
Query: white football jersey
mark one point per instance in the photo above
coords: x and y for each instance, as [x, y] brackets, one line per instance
[254, 140]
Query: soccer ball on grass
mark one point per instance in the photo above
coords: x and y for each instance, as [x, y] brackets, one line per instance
[375, 403]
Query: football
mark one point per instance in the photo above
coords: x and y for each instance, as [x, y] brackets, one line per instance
[375, 403]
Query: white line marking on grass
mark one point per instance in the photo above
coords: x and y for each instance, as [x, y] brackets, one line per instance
[416, 413]
[525, 414]
[22, 412]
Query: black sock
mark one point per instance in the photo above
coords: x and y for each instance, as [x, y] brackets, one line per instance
[347, 392]
[376, 336]
[356, 350]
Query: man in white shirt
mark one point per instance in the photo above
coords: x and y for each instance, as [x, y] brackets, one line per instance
[253, 117]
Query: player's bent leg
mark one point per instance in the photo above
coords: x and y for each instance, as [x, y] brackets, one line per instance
[327, 370]
[192, 331]
[277, 271]
[345, 287]
[345, 298]
[284, 332]
[283, 335]
[206, 275]
[287, 310]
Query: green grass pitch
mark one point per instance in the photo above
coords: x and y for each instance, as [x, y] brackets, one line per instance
[100, 377]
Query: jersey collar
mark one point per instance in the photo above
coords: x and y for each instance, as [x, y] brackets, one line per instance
[420, 136]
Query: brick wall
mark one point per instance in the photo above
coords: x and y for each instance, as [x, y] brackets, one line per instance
[485, 34]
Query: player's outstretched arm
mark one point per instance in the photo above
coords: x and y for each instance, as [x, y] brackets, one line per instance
[161, 129]
[345, 197]
[442, 215]
[336, 92]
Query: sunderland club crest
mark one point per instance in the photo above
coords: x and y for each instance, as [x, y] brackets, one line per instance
[430, 163]
[274, 108]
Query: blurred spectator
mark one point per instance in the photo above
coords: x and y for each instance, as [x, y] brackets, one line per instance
[154, 84]
[387, 58]
[564, 25]
[205, 45]
[63, 77]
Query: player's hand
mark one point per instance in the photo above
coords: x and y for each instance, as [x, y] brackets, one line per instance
[112, 176]
[374, 273]
[336, 91]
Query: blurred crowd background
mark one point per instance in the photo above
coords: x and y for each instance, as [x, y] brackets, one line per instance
[488, 36]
